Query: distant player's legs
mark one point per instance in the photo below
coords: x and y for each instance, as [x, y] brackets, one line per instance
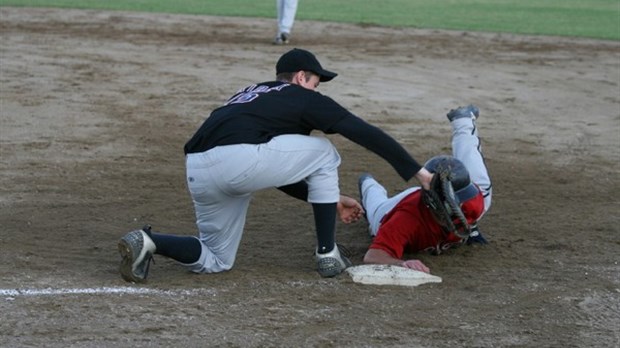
[286, 15]
[466, 148]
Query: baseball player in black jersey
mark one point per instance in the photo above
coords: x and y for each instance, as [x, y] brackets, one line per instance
[260, 138]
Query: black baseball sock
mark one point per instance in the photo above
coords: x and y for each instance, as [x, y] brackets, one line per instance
[184, 249]
[325, 221]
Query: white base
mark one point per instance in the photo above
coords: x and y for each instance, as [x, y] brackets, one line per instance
[390, 275]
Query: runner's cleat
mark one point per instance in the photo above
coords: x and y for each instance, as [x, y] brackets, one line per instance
[470, 111]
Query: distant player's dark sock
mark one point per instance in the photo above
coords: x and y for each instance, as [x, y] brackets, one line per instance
[325, 222]
[184, 249]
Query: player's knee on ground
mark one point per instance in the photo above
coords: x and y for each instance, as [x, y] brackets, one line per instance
[211, 263]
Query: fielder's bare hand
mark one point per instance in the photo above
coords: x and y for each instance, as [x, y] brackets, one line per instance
[349, 209]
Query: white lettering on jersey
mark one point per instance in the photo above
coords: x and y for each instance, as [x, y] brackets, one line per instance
[246, 95]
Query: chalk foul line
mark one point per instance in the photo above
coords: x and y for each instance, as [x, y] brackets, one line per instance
[95, 291]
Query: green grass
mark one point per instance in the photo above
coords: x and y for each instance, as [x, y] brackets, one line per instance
[580, 18]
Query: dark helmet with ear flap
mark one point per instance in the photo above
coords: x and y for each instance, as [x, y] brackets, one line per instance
[464, 188]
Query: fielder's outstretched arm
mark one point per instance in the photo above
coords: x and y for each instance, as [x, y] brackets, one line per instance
[379, 142]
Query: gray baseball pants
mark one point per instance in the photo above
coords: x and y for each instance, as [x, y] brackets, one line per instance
[221, 182]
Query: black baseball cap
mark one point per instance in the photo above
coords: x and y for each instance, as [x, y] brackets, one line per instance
[298, 59]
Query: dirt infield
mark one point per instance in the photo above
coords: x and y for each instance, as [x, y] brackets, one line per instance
[96, 107]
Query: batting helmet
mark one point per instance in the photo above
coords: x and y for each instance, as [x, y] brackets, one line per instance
[464, 188]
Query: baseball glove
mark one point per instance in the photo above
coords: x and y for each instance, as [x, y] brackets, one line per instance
[441, 201]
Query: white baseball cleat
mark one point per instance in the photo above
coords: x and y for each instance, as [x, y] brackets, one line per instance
[136, 249]
[332, 263]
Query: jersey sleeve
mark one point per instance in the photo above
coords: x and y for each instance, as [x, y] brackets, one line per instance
[322, 112]
[379, 142]
[326, 115]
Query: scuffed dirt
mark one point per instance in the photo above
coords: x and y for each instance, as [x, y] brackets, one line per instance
[95, 109]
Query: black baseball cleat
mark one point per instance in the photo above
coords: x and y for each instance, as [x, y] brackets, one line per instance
[282, 39]
[286, 38]
[476, 237]
[469, 111]
[136, 249]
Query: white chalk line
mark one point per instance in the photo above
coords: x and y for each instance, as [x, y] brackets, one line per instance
[96, 291]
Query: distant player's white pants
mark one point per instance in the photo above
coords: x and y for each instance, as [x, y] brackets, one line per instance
[286, 15]
[221, 182]
[465, 147]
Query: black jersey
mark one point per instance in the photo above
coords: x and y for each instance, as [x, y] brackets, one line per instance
[257, 113]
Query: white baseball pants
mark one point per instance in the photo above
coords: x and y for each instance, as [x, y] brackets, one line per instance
[286, 15]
